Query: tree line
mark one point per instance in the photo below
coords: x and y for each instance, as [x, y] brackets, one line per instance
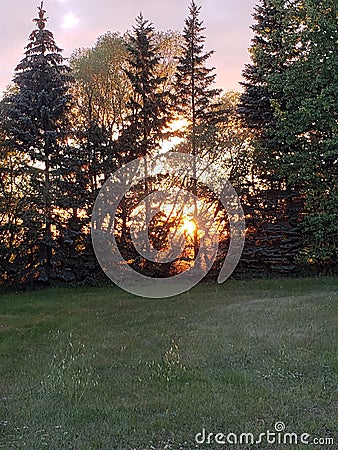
[66, 126]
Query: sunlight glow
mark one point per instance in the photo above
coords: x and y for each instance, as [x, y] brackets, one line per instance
[70, 20]
[177, 125]
[189, 226]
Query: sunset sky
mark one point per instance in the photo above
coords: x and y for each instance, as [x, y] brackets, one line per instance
[78, 23]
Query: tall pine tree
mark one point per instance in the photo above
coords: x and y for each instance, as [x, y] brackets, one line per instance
[290, 101]
[148, 109]
[36, 124]
[148, 105]
[194, 92]
[195, 96]
[306, 127]
[273, 49]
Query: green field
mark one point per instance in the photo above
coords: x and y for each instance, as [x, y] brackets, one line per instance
[101, 369]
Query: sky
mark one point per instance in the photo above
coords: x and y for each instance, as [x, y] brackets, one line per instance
[78, 23]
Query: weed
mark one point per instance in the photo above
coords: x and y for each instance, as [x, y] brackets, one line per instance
[170, 369]
[70, 373]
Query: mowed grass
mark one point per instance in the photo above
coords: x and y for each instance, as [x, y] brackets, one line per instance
[102, 369]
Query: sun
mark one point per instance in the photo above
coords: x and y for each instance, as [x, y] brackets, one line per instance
[70, 20]
[189, 226]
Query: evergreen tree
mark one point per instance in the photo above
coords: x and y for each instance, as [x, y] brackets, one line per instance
[307, 128]
[148, 104]
[36, 124]
[194, 92]
[13, 199]
[195, 96]
[148, 110]
[290, 101]
[273, 49]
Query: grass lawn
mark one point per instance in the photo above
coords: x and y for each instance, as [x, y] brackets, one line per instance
[101, 369]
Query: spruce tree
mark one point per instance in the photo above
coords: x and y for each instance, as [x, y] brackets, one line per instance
[194, 92]
[195, 96]
[37, 125]
[273, 48]
[290, 101]
[148, 110]
[307, 128]
[13, 199]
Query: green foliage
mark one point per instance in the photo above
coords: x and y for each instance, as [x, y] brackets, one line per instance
[101, 90]
[62, 135]
[274, 47]
[35, 125]
[308, 127]
[290, 101]
[148, 111]
[228, 142]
